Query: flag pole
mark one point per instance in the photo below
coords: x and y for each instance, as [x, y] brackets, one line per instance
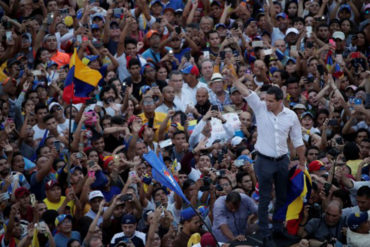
[69, 144]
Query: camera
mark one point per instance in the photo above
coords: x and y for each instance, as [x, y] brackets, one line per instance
[207, 181]
[314, 211]
[126, 197]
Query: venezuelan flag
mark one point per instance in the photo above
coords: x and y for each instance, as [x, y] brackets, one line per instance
[338, 73]
[80, 81]
[299, 189]
[329, 61]
[191, 126]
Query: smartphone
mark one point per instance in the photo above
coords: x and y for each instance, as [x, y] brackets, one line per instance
[158, 204]
[321, 69]
[50, 18]
[118, 11]
[293, 48]
[178, 29]
[91, 174]
[258, 43]
[206, 54]
[64, 11]
[158, 20]
[132, 174]
[222, 55]
[238, 163]
[339, 58]
[36, 72]
[357, 101]
[79, 155]
[126, 197]
[339, 140]
[33, 200]
[165, 143]
[57, 145]
[333, 122]
[308, 31]
[150, 122]
[214, 108]
[79, 39]
[8, 35]
[170, 51]
[90, 163]
[327, 187]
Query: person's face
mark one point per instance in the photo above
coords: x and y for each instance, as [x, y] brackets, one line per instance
[94, 203]
[334, 27]
[292, 9]
[182, 178]
[214, 39]
[162, 74]
[365, 148]
[307, 122]
[40, 114]
[45, 56]
[18, 163]
[321, 119]
[169, 94]
[99, 145]
[283, 23]
[154, 41]
[41, 208]
[54, 193]
[176, 82]
[149, 73]
[34, 97]
[65, 226]
[161, 197]
[4, 167]
[293, 89]
[217, 86]
[299, 25]
[75, 244]
[52, 6]
[206, 25]
[170, 16]
[195, 224]
[246, 183]
[323, 33]
[106, 123]
[332, 216]
[245, 119]
[130, 106]
[179, 139]
[259, 68]
[93, 155]
[77, 176]
[312, 99]
[51, 124]
[148, 105]
[225, 184]
[363, 203]
[51, 43]
[204, 163]
[207, 69]
[128, 229]
[201, 96]
[271, 103]
[276, 78]
[309, 21]
[45, 151]
[314, 7]
[236, 98]
[232, 207]
[141, 148]
[252, 28]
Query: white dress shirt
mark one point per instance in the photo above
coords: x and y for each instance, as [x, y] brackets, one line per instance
[273, 131]
[183, 99]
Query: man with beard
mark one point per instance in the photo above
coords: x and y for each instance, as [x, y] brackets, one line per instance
[51, 44]
[203, 103]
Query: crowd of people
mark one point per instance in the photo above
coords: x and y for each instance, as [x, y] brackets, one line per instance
[248, 102]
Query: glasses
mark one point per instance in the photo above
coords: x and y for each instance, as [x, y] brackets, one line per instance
[148, 103]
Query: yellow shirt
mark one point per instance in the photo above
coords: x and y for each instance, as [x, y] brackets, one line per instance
[56, 205]
[159, 117]
[353, 164]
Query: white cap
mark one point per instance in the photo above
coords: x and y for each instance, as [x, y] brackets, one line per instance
[216, 77]
[94, 194]
[339, 35]
[236, 141]
[54, 104]
[292, 30]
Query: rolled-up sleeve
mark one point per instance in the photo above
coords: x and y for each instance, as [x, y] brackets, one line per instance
[296, 132]
[219, 214]
[254, 102]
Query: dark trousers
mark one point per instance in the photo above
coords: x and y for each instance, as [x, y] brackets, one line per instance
[269, 172]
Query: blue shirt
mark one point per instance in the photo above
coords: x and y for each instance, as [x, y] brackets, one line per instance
[61, 240]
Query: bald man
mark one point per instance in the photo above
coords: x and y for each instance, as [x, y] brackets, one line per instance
[329, 226]
[203, 103]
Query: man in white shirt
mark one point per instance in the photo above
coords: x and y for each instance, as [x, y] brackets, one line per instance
[168, 98]
[182, 97]
[192, 84]
[275, 123]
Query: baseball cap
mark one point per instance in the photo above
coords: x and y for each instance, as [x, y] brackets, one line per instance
[144, 89]
[97, 15]
[94, 26]
[132, 119]
[316, 165]
[236, 140]
[292, 30]
[51, 63]
[75, 168]
[355, 220]
[245, 158]
[367, 6]
[150, 33]
[128, 219]
[191, 69]
[291, 59]
[353, 87]
[54, 104]
[107, 160]
[345, 7]
[179, 11]
[216, 2]
[208, 240]
[21, 191]
[187, 214]
[94, 194]
[216, 77]
[154, 2]
[307, 113]
[60, 218]
[86, 60]
[233, 90]
[50, 184]
[299, 106]
[338, 35]
[220, 25]
[282, 15]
